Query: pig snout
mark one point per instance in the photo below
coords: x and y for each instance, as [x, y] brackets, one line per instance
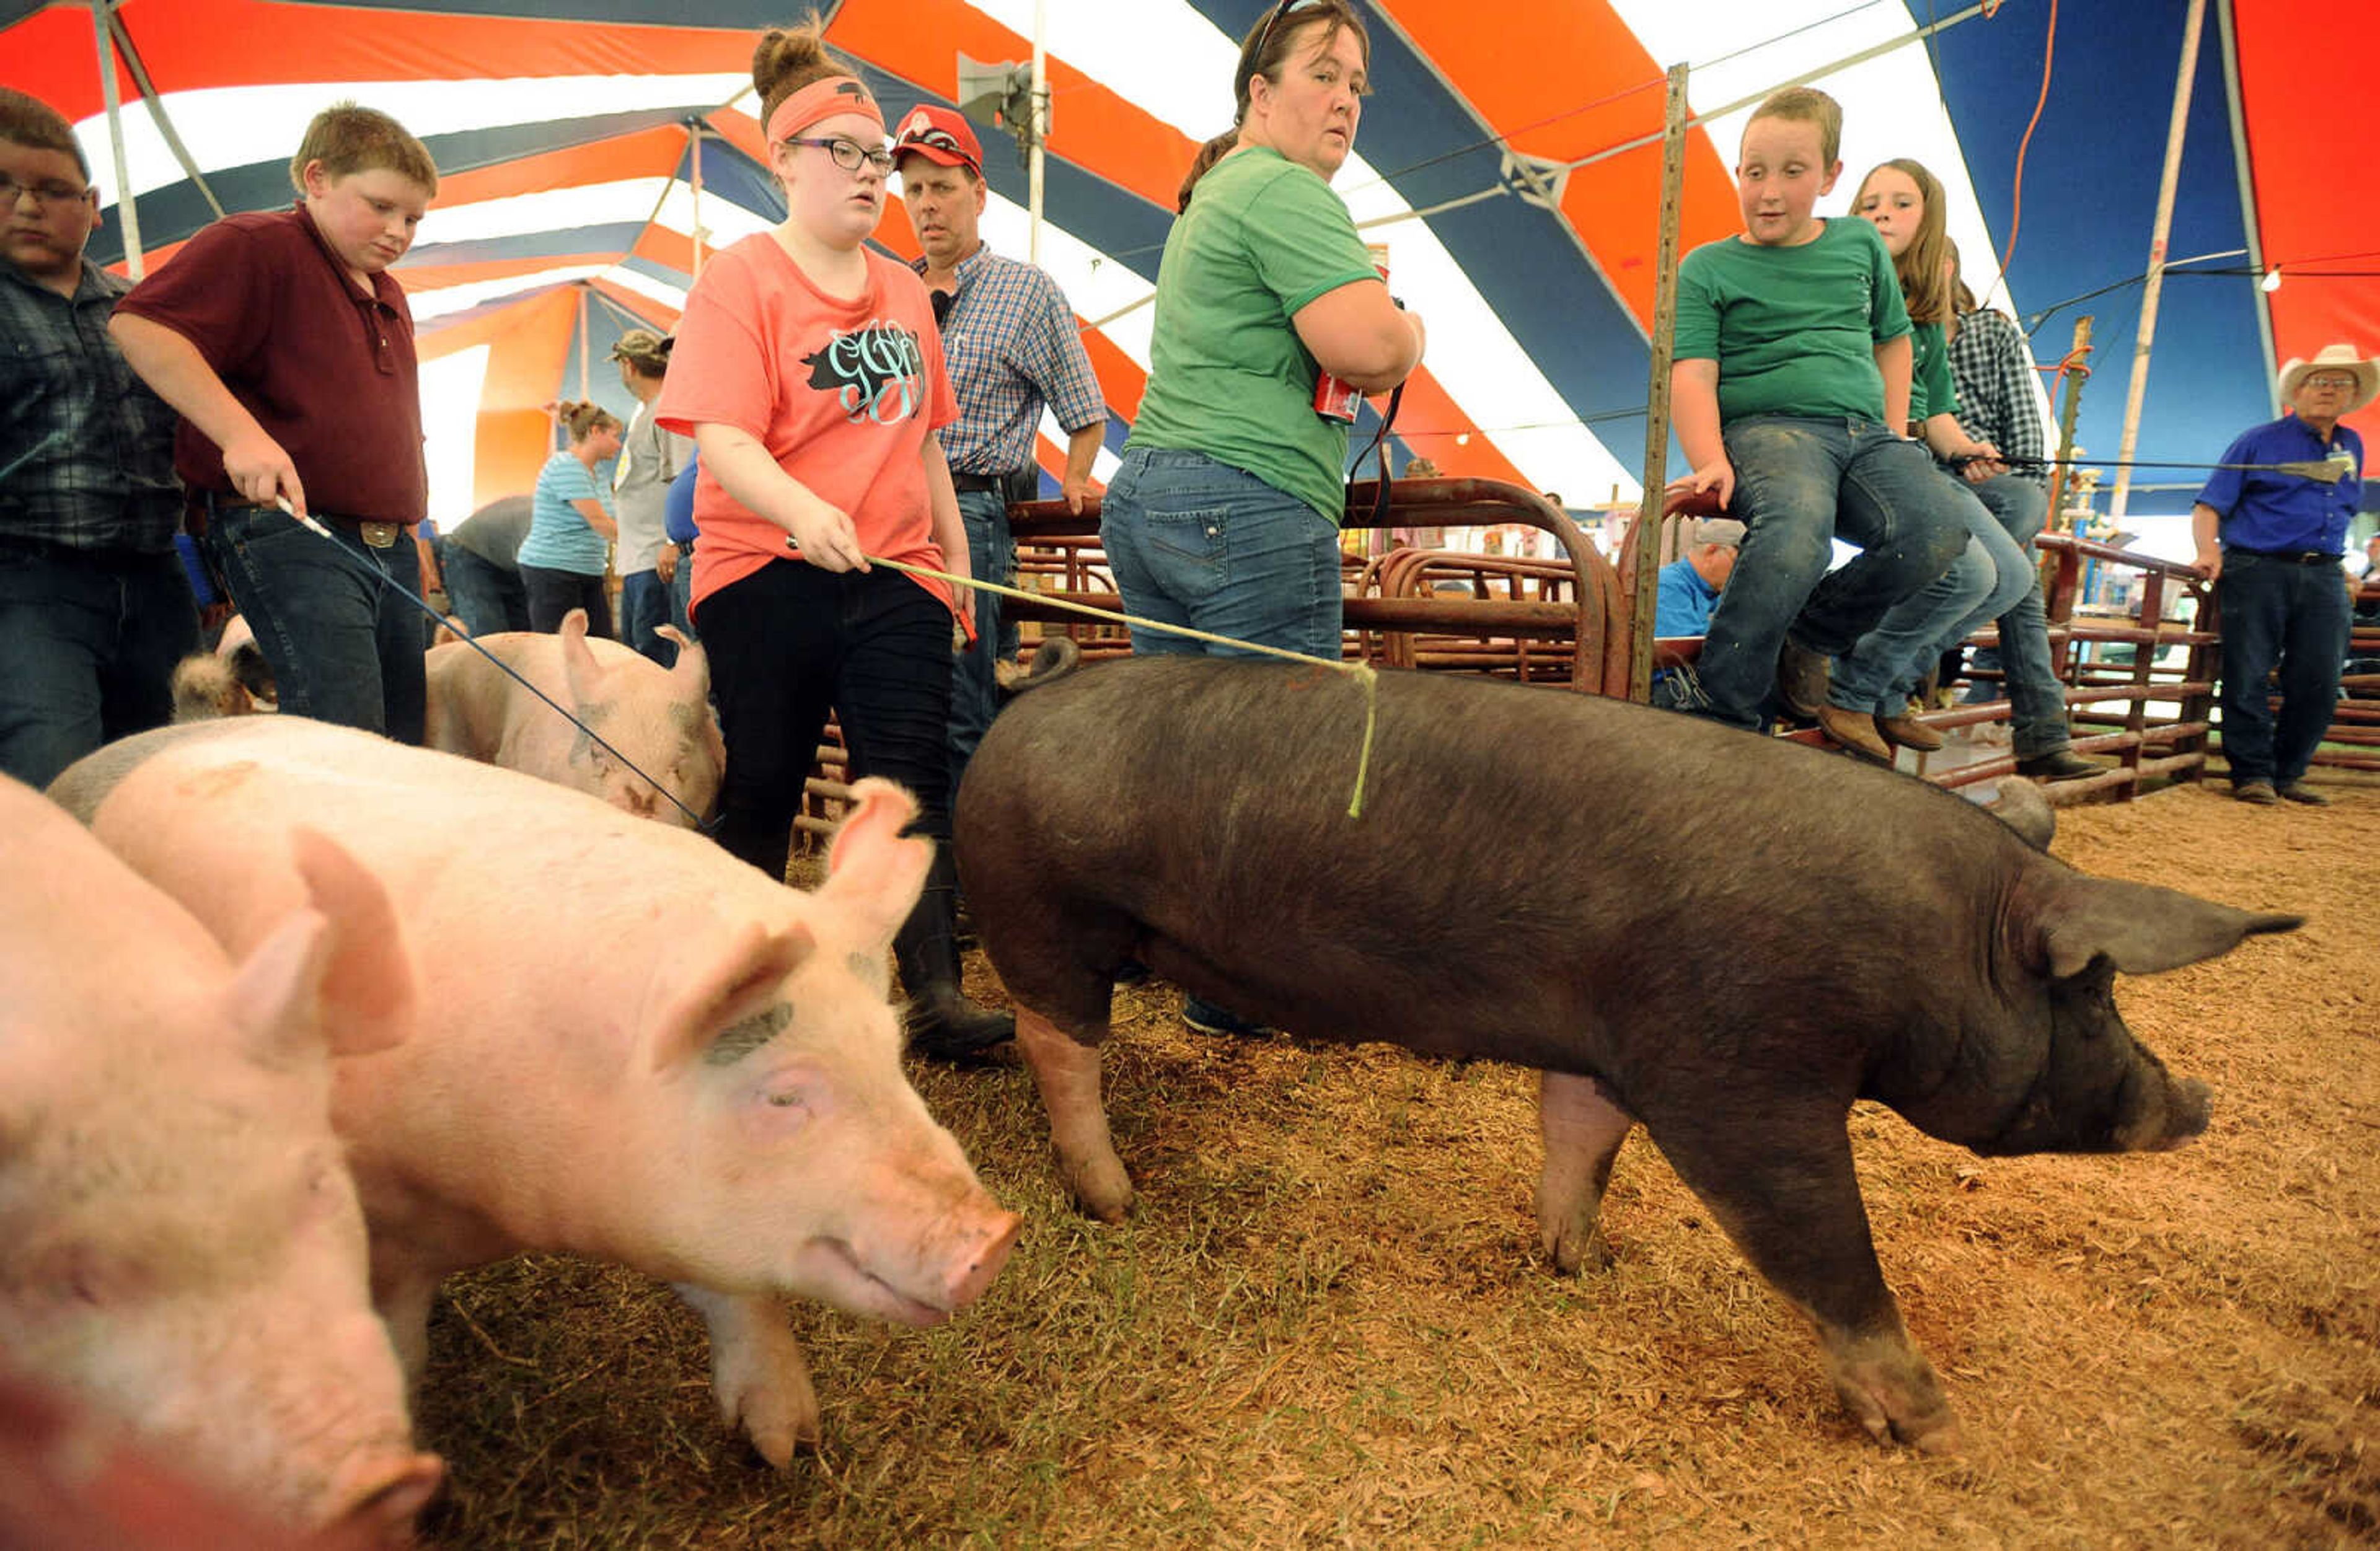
[381, 1495]
[2161, 1114]
[913, 1280]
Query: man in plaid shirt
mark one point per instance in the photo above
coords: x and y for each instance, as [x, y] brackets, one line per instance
[1012, 346]
[95, 608]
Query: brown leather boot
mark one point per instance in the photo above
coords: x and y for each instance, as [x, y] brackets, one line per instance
[1855, 731]
[1906, 732]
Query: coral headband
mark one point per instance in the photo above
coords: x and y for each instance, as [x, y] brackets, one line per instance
[820, 99]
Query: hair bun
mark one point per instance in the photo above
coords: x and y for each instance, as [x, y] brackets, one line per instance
[784, 51]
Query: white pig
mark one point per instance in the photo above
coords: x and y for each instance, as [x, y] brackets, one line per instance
[660, 718]
[180, 1243]
[726, 1111]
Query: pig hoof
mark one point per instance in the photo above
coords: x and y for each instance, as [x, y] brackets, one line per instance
[1103, 1190]
[777, 1437]
[1573, 1254]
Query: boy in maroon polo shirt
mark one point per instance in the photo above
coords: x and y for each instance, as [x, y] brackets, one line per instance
[288, 350]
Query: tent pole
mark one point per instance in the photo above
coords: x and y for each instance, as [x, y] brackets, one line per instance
[1644, 583]
[2229, 39]
[1041, 129]
[694, 151]
[586, 385]
[127, 208]
[2146, 335]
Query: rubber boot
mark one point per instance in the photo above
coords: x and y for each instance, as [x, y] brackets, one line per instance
[942, 1023]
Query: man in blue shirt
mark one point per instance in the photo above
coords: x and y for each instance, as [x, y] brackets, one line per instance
[2276, 575]
[1012, 346]
[1690, 586]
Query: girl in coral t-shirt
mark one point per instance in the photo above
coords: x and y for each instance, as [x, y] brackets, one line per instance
[808, 371]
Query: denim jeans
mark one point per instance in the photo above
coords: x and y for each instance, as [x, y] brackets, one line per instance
[2037, 720]
[788, 643]
[1985, 582]
[344, 641]
[682, 597]
[488, 598]
[552, 594]
[1196, 542]
[645, 608]
[87, 654]
[1798, 483]
[975, 692]
[2278, 613]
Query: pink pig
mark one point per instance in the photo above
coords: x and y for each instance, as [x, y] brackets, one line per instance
[696, 1074]
[180, 1244]
[660, 718]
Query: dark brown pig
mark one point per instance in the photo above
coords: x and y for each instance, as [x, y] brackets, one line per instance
[1727, 938]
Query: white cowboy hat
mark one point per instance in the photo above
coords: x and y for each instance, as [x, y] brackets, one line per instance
[2334, 357]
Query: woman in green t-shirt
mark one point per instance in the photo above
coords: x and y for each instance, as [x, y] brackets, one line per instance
[1224, 514]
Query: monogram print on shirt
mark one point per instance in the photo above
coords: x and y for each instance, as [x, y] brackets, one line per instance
[876, 372]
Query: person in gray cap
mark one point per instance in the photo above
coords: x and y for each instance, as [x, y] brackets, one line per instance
[649, 459]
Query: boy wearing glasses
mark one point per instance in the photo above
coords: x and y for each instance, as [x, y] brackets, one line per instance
[2272, 543]
[1012, 345]
[288, 350]
[94, 606]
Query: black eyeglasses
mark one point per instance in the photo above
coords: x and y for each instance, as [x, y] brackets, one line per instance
[1256, 56]
[50, 191]
[850, 154]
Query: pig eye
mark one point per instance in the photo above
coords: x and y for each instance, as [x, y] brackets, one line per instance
[789, 1099]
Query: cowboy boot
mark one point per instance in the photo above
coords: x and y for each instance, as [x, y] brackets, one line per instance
[940, 1022]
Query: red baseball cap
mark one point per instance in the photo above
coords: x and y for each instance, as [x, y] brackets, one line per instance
[939, 135]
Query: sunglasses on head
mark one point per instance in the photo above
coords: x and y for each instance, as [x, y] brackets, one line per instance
[1256, 56]
[937, 139]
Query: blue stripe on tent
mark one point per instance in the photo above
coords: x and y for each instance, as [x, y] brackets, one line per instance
[1523, 261]
[2090, 200]
[178, 210]
[731, 174]
[606, 237]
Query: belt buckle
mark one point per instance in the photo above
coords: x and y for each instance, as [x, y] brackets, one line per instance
[378, 535]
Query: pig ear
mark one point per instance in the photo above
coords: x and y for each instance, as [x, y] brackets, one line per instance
[578, 665]
[2140, 927]
[367, 982]
[873, 869]
[741, 979]
[693, 664]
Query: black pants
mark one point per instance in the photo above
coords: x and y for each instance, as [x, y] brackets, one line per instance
[789, 642]
[552, 594]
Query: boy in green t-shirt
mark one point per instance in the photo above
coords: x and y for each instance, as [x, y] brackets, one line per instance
[1792, 378]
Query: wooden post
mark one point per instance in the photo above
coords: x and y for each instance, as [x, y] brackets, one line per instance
[694, 155]
[2064, 475]
[1645, 584]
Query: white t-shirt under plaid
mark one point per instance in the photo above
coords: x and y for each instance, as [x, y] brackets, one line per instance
[1012, 346]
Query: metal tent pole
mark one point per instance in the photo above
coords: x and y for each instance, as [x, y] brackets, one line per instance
[2146, 335]
[1041, 129]
[694, 152]
[126, 207]
[2224, 32]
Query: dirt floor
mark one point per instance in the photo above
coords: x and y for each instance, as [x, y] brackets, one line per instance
[1328, 1323]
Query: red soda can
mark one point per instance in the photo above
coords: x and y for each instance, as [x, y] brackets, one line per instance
[1334, 400]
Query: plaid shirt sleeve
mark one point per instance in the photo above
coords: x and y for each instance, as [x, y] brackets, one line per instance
[1052, 354]
[1993, 368]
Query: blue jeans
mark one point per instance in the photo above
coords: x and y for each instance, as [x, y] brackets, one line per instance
[1985, 582]
[644, 608]
[975, 691]
[344, 641]
[1196, 542]
[1798, 483]
[682, 597]
[2278, 613]
[87, 653]
[487, 598]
